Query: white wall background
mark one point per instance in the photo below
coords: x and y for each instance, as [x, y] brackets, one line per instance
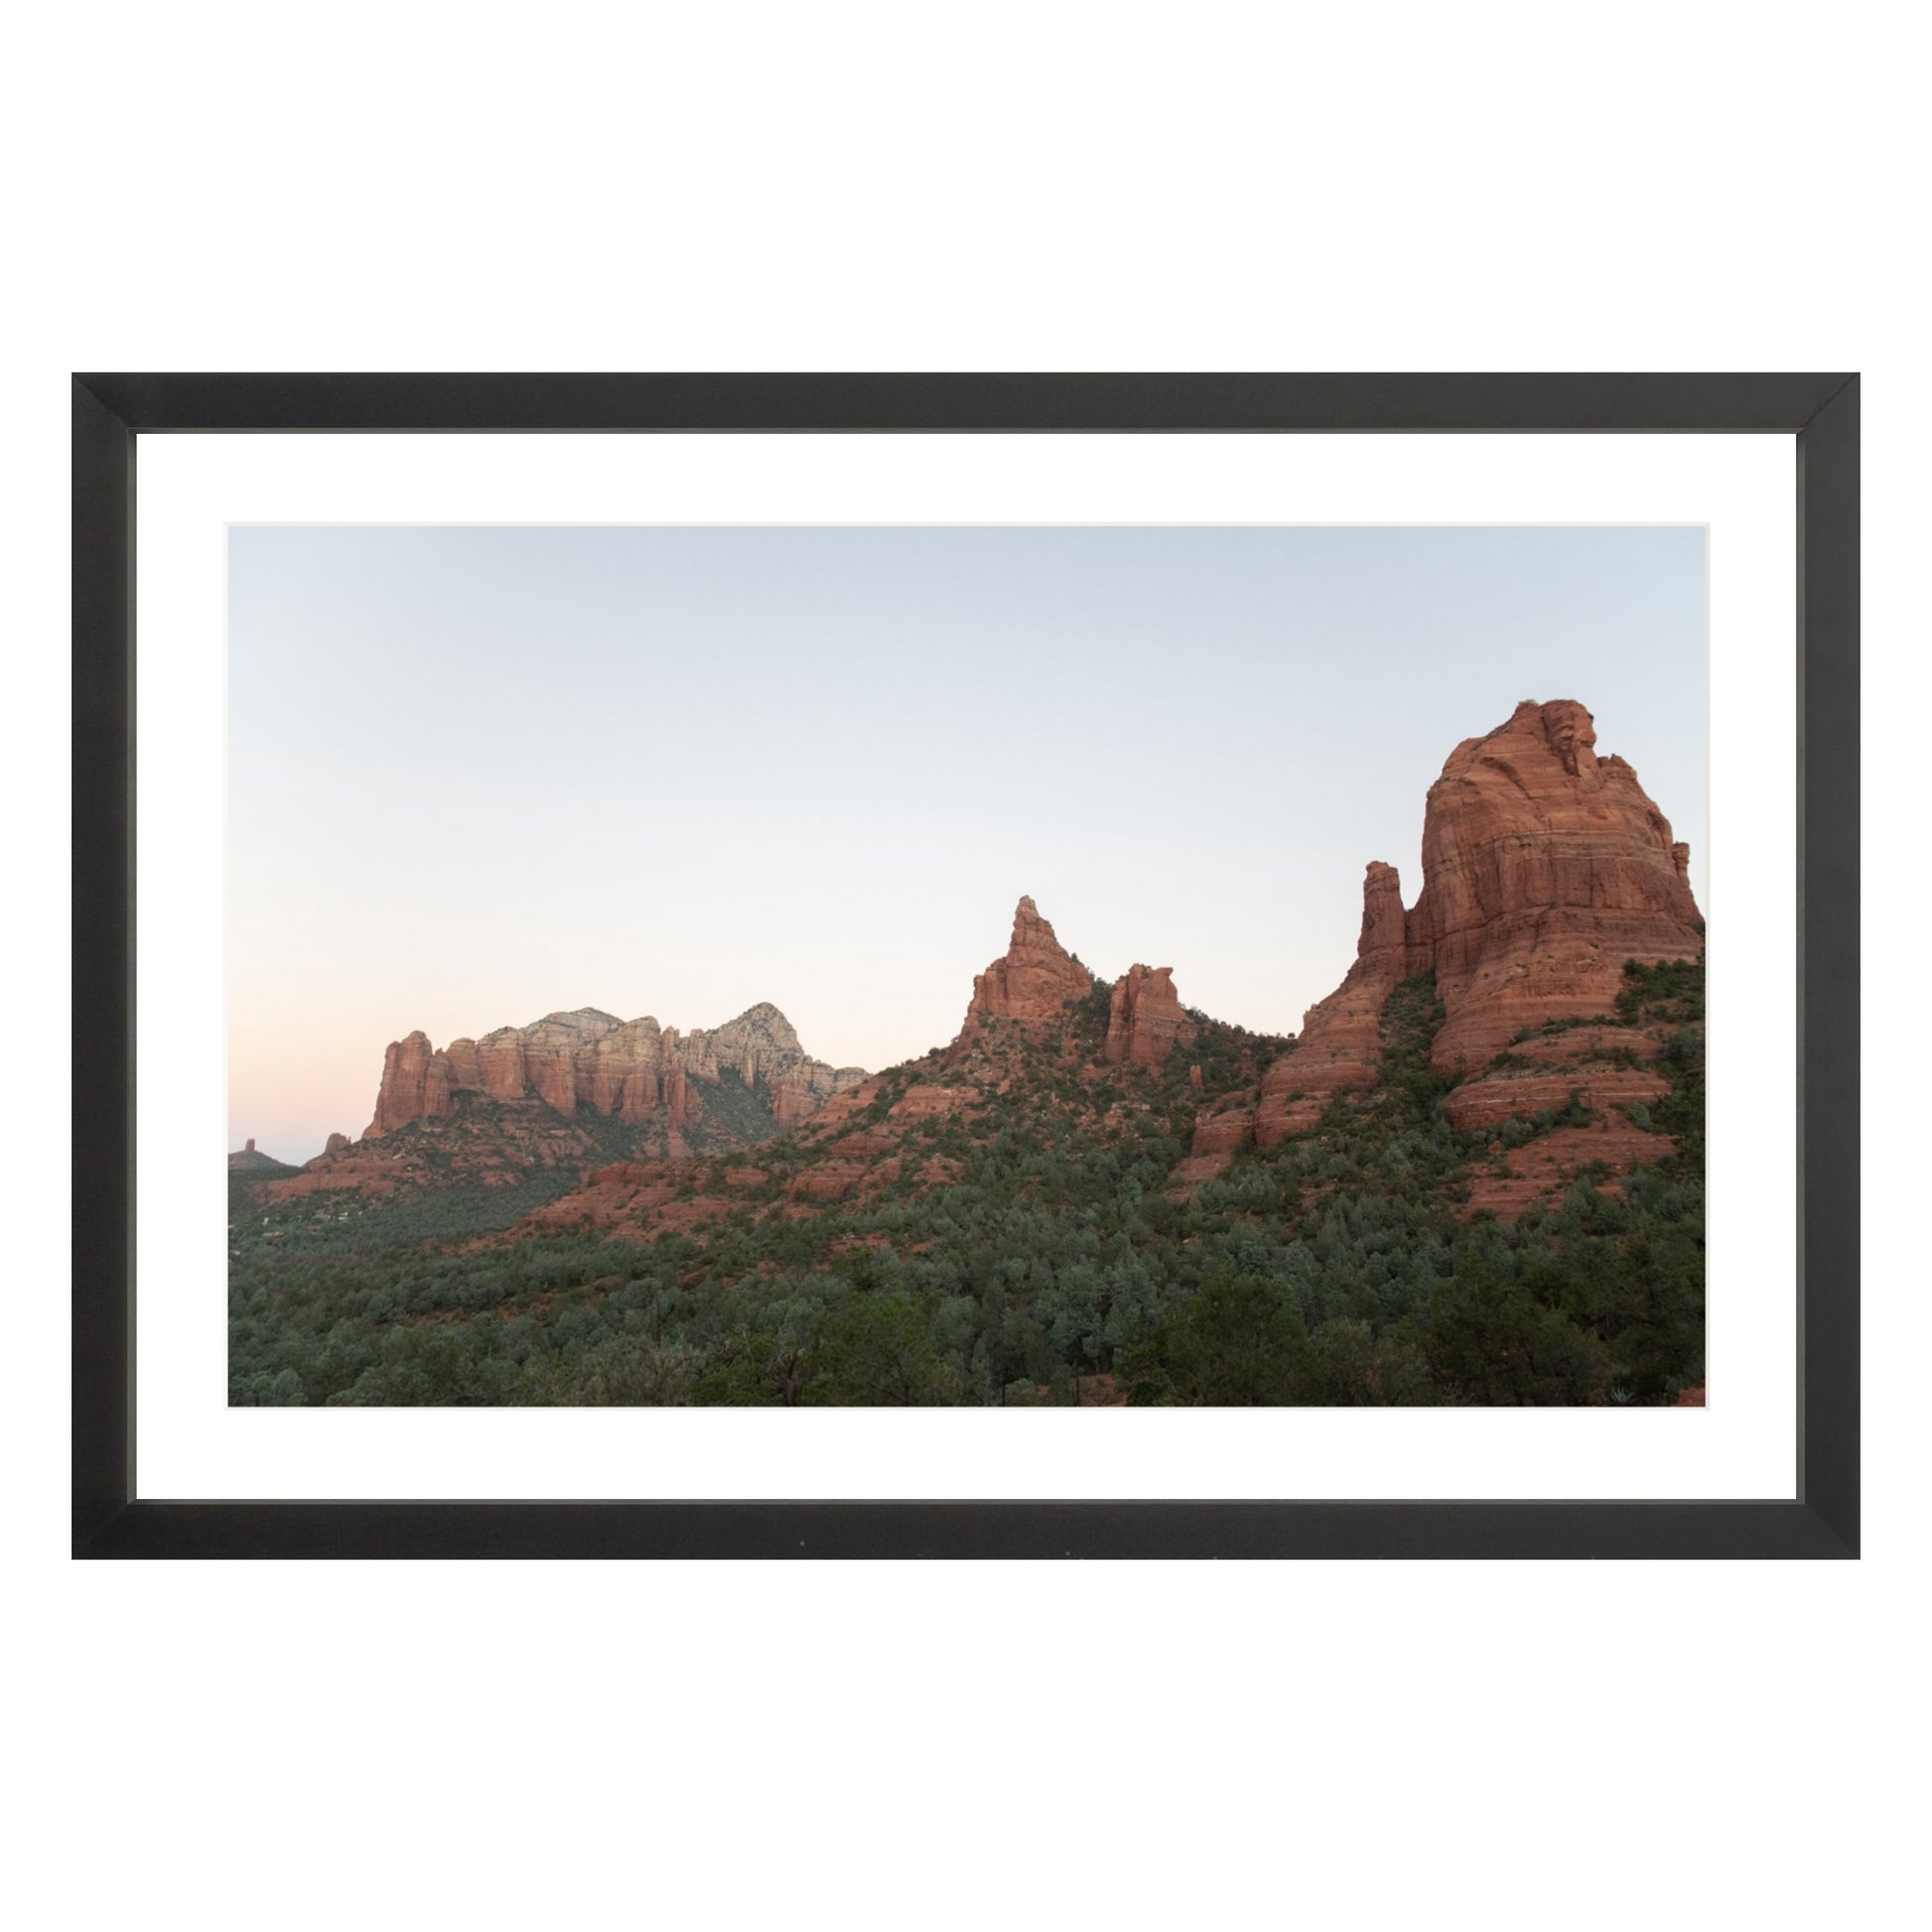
[1009, 187]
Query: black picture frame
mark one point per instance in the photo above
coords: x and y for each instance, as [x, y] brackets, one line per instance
[112, 412]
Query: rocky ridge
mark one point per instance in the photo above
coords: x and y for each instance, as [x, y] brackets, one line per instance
[1037, 1017]
[547, 1103]
[588, 1061]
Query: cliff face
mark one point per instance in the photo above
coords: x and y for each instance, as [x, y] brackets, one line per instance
[587, 1061]
[1144, 1021]
[1544, 868]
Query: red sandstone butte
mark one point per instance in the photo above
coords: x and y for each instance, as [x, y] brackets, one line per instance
[1544, 868]
[1144, 1021]
[591, 1060]
[1034, 980]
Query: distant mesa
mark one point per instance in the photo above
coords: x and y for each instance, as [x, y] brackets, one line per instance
[540, 1106]
[252, 1160]
[589, 1061]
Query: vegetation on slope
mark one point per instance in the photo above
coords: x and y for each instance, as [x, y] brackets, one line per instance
[1342, 1268]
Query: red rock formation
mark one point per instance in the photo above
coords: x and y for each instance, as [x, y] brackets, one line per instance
[325, 1160]
[1341, 1037]
[680, 1104]
[1543, 1169]
[415, 1086]
[466, 1065]
[249, 1158]
[618, 1073]
[1544, 868]
[1522, 1097]
[876, 1136]
[760, 1044]
[551, 1051]
[500, 1058]
[1221, 1129]
[930, 1101]
[592, 1061]
[1036, 979]
[793, 1097]
[1144, 1017]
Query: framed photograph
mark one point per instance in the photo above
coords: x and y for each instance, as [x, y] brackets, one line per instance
[966, 965]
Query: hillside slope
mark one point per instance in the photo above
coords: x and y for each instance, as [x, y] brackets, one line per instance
[1094, 1192]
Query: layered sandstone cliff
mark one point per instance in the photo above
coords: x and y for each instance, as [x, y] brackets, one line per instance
[632, 1070]
[1544, 868]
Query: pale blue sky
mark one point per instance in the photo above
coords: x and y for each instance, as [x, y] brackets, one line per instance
[479, 773]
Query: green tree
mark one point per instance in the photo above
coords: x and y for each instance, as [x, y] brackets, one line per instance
[1492, 1342]
[1239, 1341]
[877, 1352]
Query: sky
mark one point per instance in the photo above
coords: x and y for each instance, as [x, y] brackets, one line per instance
[479, 774]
